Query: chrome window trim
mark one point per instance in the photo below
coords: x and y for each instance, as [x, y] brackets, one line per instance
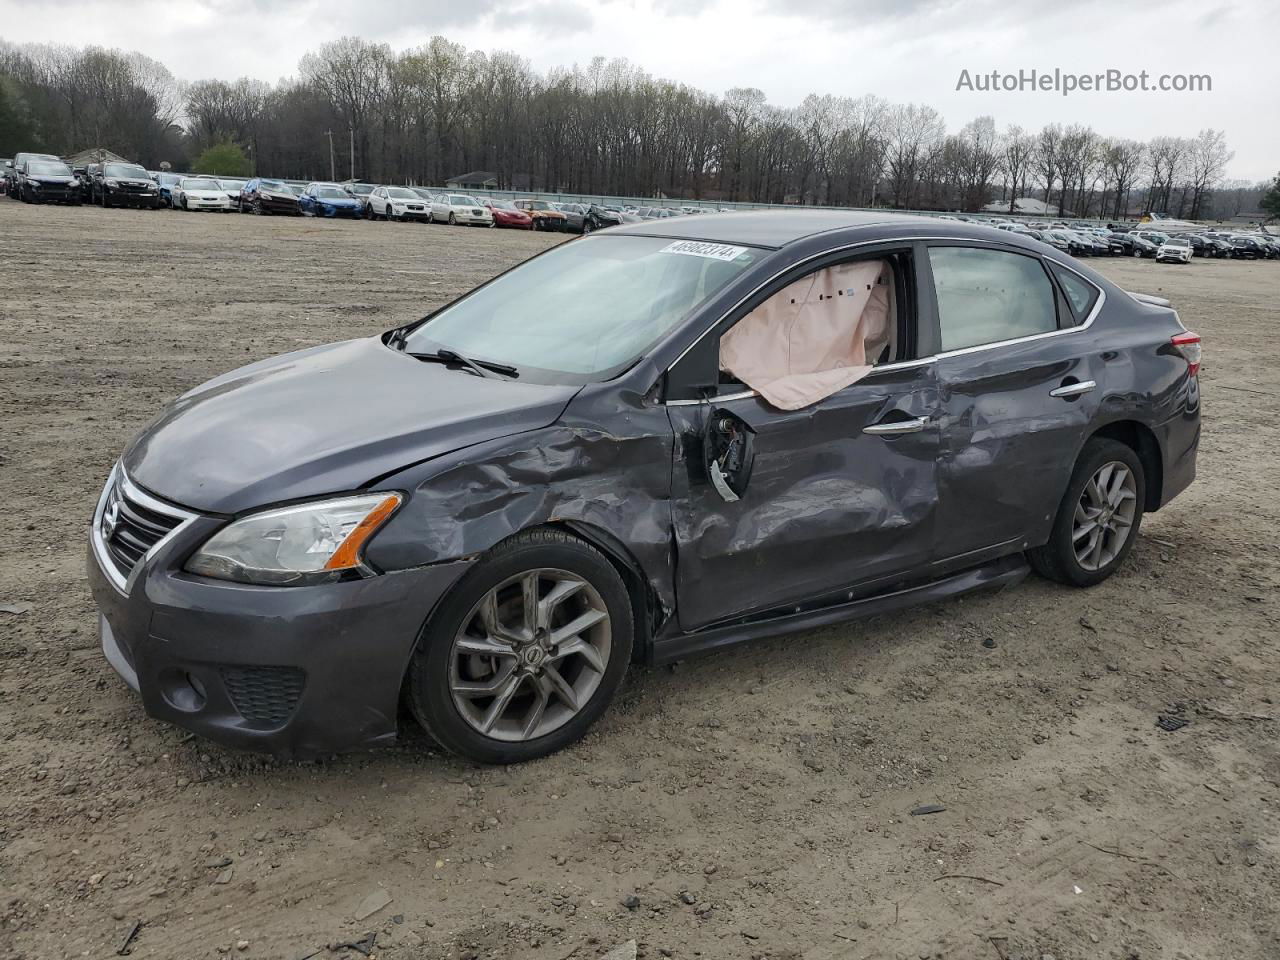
[137, 495]
[905, 364]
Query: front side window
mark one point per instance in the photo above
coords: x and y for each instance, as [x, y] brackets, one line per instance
[986, 296]
[586, 310]
[815, 336]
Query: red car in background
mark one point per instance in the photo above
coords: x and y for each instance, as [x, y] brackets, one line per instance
[506, 214]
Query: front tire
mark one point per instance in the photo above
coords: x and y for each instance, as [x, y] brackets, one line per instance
[453, 220]
[1099, 517]
[525, 653]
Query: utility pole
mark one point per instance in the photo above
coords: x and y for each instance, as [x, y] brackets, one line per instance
[333, 173]
[351, 132]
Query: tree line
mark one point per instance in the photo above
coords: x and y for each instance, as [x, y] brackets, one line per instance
[359, 109]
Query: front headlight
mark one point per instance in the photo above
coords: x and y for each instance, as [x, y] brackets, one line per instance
[113, 183]
[299, 545]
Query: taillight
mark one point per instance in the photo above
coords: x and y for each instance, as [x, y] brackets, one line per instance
[1188, 345]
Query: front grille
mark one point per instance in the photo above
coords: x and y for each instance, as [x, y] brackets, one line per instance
[129, 529]
[265, 695]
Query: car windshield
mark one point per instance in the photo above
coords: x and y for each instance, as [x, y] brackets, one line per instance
[233, 184]
[546, 315]
[47, 168]
[1177, 243]
[272, 185]
[200, 183]
[538, 205]
[329, 193]
[401, 193]
[458, 200]
[502, 205]
[129, 170]
[360, 189]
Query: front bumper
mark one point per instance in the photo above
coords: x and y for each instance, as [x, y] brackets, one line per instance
[422, 214]
[292, 671]
[277, 204]
[197, 203]
[146, 201]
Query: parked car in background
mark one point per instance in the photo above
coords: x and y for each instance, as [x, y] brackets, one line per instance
[165, 183]
[1246, 248]
[234, 187]
[121, 185]
[201, 193]
[329, 200]
[460, 208]
[48, 181]
[507, 214]
[487, 515]
[596, 217]
[545, 216]
[19, 163]
[360, 190]
[396, 203]
[573, 215]
[1131, 245]
[262, 196]
[1175, 250]
[1270, 244]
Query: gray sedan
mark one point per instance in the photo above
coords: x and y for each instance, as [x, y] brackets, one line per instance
[660, 440]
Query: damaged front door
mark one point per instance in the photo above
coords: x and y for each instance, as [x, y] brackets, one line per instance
[821, 499]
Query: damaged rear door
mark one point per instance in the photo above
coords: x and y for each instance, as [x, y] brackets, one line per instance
[810, 503]
[1021, 381]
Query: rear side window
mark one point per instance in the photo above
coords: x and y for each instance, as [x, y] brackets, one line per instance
[986, 296]
[1081, 294]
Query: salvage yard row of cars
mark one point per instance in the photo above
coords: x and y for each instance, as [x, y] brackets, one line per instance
[1140, 240]
[44, 178]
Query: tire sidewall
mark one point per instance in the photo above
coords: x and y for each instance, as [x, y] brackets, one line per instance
[1096, 453]
[429, 670]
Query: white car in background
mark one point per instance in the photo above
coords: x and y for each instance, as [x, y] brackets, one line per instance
[234, 186]
[201, 193]
[460, 208]
[396, 203]
[1175, 250]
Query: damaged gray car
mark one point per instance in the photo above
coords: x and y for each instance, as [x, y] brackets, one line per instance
[661, 440]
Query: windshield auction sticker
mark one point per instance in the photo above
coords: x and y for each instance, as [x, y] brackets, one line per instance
[712, 251]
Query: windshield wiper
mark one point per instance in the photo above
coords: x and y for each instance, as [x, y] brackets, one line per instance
[483, 368]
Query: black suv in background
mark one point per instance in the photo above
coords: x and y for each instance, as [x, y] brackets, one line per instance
[121, 185]
[14, 180]
[47, 181]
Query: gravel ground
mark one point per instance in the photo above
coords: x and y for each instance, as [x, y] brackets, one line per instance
[755, 804]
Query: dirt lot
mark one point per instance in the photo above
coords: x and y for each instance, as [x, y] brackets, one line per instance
[757, 804]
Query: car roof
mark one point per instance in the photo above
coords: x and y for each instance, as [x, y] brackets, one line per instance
[773, 229]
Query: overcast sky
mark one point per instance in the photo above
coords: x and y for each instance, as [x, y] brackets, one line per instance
[903, 50]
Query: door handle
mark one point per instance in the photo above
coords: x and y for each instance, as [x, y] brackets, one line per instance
[895, 427]
[1073, 389]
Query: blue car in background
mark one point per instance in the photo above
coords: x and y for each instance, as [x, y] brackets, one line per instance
[166, 182]
[329, 200]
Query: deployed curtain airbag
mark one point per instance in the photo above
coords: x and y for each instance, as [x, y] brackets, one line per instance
[814, 337]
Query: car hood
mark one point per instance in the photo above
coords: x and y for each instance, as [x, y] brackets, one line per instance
[41, 178]
[325, 420]
[206, 194]
[338, 202]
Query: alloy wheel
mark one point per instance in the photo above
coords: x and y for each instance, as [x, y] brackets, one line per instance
[530, 655]
[1104, 516]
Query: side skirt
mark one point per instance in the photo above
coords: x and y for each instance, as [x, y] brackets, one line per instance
[1003, 572]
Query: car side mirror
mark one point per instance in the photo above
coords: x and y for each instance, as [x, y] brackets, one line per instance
[728, 452]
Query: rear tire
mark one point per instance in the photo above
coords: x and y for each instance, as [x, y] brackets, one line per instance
[1099, 517]
[543, 699]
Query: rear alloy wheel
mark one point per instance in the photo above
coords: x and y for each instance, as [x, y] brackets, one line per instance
[1098, 520]
[526, 652]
